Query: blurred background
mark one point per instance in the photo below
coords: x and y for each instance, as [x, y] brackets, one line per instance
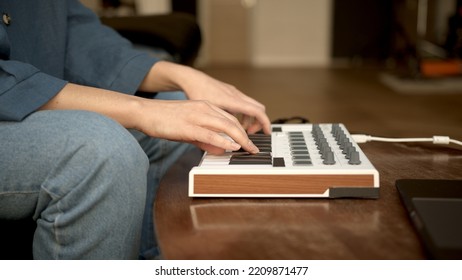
[318, 58]
[273, 33]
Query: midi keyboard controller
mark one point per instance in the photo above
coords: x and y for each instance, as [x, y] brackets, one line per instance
[295, 160]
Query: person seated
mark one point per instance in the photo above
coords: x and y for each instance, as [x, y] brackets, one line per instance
[82, 154]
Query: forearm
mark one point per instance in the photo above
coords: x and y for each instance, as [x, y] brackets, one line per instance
[121, 107]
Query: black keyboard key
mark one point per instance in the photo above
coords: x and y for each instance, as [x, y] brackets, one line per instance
[305, 152]
[302, 162]
[301, 157]
[260, 158]
[278, 162]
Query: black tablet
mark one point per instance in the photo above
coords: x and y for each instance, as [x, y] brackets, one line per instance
[435, 209]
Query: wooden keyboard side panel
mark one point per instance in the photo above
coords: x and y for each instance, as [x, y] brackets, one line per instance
[300, 184]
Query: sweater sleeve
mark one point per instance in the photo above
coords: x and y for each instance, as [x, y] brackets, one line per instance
[23, 88]
[98, 56]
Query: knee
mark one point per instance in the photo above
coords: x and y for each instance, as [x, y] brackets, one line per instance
[97, 146]
[105, 139]
[96, 180]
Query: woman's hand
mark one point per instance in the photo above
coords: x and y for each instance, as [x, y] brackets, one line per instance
[199, 86]
[198, 122]
[252, 113]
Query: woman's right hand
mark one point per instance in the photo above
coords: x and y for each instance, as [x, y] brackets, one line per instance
[198, 122]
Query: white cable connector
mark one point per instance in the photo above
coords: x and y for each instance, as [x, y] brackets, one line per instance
[441, 140]
[361, 138]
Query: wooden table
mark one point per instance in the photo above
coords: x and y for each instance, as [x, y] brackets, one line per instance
[239, 228]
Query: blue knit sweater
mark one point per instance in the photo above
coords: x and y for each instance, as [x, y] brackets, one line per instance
[45, 44]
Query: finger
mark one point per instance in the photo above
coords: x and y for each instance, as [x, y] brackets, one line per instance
[206, 138]
[234, 101]
[247, 121]
[226, 114]
[261, 122]
[241, 137]
[231, 118]
[238, 102]
[233, 139]
[252, 111]
[254, 128]
[214, 120]
[258, 121]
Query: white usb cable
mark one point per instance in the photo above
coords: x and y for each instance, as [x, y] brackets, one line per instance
[442, 140]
